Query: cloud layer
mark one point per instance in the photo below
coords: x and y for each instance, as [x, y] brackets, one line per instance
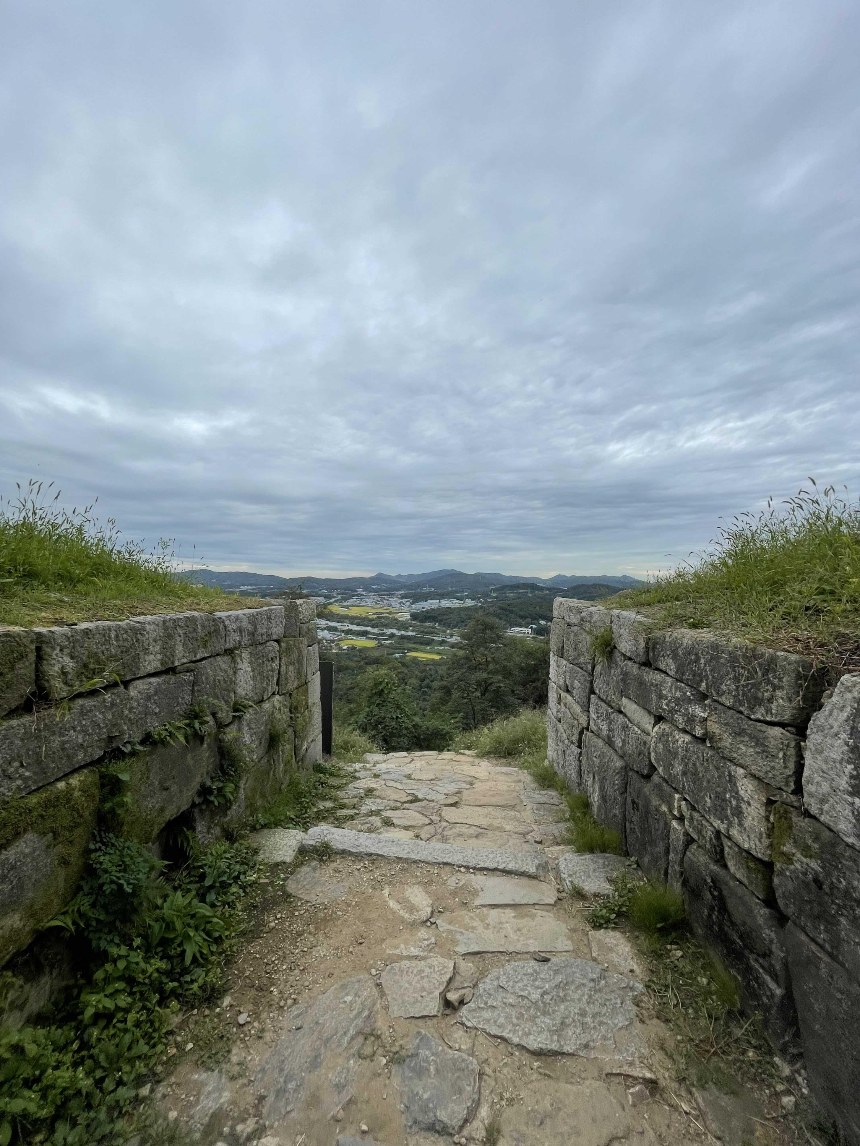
[537, 287]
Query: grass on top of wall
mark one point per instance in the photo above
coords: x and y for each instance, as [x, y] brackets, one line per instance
[59, 565]
[788, 577]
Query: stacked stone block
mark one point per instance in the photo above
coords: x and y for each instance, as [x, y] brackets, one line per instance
[729, 773]
[71, 697]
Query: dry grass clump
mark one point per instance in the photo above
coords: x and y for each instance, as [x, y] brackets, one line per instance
[788, 577]
[59, 565]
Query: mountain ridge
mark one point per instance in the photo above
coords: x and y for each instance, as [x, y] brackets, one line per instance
[450, 580]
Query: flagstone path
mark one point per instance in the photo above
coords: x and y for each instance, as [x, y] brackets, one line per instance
[430, 984]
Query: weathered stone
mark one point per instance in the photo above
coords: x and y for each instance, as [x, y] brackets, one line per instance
[493, 819]
[162, 782]
[156, 700]
[747, 935]
[73, 656]
[733, 800]
[630, 633]
[505, 929]
[566, 1006]
[615, 952]
[561, 1114]
[730, 1118]
[293, 663]
[590, 873]
[43, 845]
[604, 781]
[492, 795]
[703, 832]
[579, 686]
[817, 884]
[607, 679]
[315, 883]
[506, 891]
[640, 717]
[440, 1088]
[577, 647]
[213, 686]
[661, 694]
[754, 874]
[571, 717]
[407, 819]
[251, 733]
[39, 747]
[245, 627]
[329, 1030]
[631, 744]
[418, 906]
[312, 661]
[17, 667]
[312, 754]
[679, 841]
[828, 1010]
[414, 988]
[531, 863]
[556, 638]
[209, 1112]
[762, 683]
[256, 672]
[649, 816]
[277, 845]
[831, 778]
[773, 754]
[308, 631]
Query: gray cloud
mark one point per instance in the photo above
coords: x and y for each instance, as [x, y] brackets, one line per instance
[330, 286]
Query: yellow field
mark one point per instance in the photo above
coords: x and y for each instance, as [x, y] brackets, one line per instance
[365, 610]
[426, 656]
[357, 644]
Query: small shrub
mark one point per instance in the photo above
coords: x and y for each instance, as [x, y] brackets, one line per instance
[521, 735]
[601, 645]
[656, 908]
[349, 745]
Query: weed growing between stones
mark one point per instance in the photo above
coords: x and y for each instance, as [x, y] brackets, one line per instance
[298, 803]
[148, 941]
[601, 645]
[222, 788]
[585, 833]
[655, 909]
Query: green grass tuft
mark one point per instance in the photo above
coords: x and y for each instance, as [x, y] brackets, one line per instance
[522, 735]
[656, 908]
[586, 834]
[788, 577]
[601, 645]
[59, 565]
[349, 745]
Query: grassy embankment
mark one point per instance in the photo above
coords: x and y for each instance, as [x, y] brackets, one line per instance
[788, 578]
[59, 565]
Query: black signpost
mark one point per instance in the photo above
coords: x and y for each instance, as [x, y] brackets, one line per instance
[326, 693]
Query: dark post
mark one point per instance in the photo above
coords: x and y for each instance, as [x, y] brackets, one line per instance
[326, 693]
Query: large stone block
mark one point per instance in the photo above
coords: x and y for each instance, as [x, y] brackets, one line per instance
[630, 632]
[607, 679]
[308, 632]
[746, 934]
[817, 884]
[703, 832]
[563, 755]
[257, 670]
[569, 609]
[43, 845]
[293, 652]
[558, 671]
[38, 748]
[69, 659]
[762, 683]
[157, 700]
[641, 717]
[312, 661]
[213, 685]
[831, 778]
[649, 819]
[828, 1010]
[752, 872]
[771, 753]
[245, 627]
[604, 781]
[162, 782]
[733, 800]
[577, 647]
[573, 718]
[679, 841]
[312, 755]
[17, 667]
[628, 741]
[556, 638]
[252, 731]
[664, 696]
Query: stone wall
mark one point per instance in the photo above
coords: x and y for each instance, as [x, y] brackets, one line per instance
[730, 773]
[184, 719]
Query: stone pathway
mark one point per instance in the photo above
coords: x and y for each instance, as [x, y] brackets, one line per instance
[431, 984]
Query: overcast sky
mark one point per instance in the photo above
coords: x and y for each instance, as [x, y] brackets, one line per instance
[537, 287]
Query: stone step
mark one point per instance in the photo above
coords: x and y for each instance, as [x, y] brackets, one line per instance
[529, 863]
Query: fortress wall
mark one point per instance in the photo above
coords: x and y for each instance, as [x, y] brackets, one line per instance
[188, 719]
[731, 774]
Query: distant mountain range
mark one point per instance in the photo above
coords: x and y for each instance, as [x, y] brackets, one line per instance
[444, 580]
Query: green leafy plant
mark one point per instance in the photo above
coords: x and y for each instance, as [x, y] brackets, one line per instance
[222, 788]
[611, 909]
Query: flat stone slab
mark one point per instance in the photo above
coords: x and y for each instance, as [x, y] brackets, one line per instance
[552, 1113]
[313, 883]
[418, 906]
[493, 819]
[589, 872]
[530, 863]
[505, 891]
[408, 819]
[320, 1053]
[277, 845]
[507, 929]
[566, 1006]
[439, 1087]
[495, 796]
[615, 952]
[414, 988]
